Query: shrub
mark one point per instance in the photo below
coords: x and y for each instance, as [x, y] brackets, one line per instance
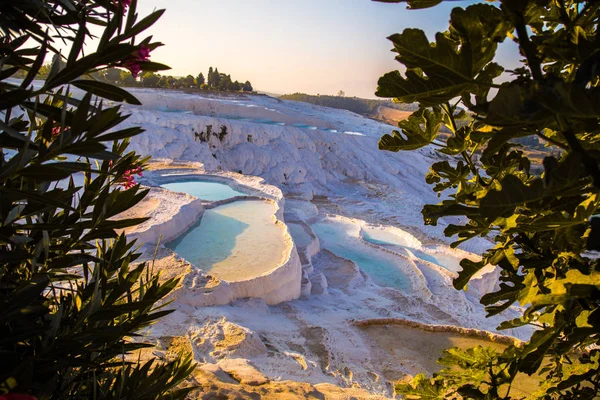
[542, 224]
[71, 299]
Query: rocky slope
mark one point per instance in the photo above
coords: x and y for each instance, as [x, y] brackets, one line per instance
[325, 165]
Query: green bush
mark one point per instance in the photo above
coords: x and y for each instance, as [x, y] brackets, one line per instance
[71, 301]
[543, 225]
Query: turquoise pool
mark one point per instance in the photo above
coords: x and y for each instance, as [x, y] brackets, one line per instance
[205, 190]
[235, 241]
[401, 244]
[337, 237]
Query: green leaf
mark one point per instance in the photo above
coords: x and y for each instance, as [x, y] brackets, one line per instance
[441, 71]
[150, 66]
[500, 137]
[500, 300]
[141, 26]
[120, 134]
[464, 366]
[414, 4]
[33, 196]
[514, 323]
[436, 84]
[77, 44]
[514, 193]
[422, 387]
[447, 176]
[582, 320]
[515, 106]
[111, 54]
[70, 260]
[122, 223]
[469, 268]
[432, 213]
[536, 348]
[90, 149]
[570, 100]
[458, 142]
[106, 91]
[476, 227]
[416, 137]
[110, 29]
[15, 134]
[56, 113]
[54, 171]
[56, 281]
[35, 67]
[578, 372]
[471, 392]
[14, 97]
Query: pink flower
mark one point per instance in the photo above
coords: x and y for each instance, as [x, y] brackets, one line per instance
[133, 67]
[143, 52]
[57, 130]
[17, 396]
[123, 3]
[128, 179]
[132, 62]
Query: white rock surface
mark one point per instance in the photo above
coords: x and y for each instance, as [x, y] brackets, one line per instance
[171, 215]
[335, 172]
[170, 219]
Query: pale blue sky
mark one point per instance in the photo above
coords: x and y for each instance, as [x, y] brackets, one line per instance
[284, 46]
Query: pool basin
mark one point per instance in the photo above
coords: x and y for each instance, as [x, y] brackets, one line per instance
[235, 241]
[204, 189]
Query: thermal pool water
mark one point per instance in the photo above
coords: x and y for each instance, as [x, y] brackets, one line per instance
[405, 243]
[338, 237]
[235, 241]
[205, 190]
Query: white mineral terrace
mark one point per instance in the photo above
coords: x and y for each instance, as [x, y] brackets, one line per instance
[295, 239]
[233, 236]
[236, 241]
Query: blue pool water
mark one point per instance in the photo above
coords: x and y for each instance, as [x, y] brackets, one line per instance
[384, 271]
[205, 190]
[447, 261]
[416, 252]
[235, 241]
[396, 242]
[270, 122]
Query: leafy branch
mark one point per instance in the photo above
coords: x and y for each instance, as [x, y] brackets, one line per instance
[73, 294]
[542, 214]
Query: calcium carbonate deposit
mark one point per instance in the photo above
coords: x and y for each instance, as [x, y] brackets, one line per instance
[308, 235]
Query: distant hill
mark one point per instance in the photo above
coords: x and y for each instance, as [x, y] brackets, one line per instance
[270, 94]
[366, 107]
[391, 115]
